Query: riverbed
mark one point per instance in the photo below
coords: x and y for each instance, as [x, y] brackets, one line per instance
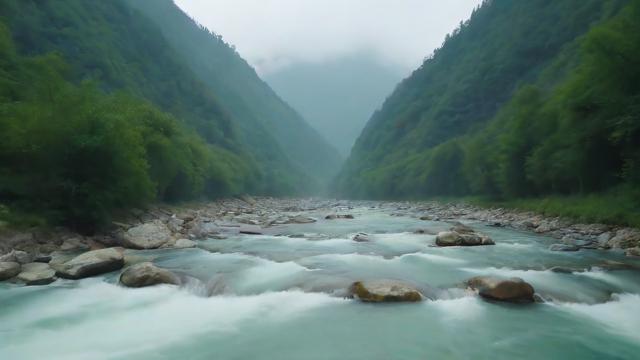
[284, 296]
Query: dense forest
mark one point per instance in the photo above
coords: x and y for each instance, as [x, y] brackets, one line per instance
[100, 111]
[526, 99]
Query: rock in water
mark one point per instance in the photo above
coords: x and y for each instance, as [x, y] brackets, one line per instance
[147, 274]
[299, 219]
[9, 269]
[184, 244]
[384, 291]
[92, 263]
[151, 235]
[563, 247]
[338, 216]
[37, 274]
[361, 237]
[452, 238]
[513, 290]
[635, 252]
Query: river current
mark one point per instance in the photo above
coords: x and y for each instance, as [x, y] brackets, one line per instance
[282, 296]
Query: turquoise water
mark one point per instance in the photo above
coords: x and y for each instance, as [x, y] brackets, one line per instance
[280, 297]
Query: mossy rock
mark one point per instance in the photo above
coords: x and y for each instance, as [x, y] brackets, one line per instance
[384, 291]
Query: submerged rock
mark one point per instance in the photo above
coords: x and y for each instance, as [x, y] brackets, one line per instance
[37, 274]
[151, 235]
[563, 247]
[452, 238]
[91, 263]
[147, 274]
[9, 269]
[338, 216]
[384, 291]
[513, 290]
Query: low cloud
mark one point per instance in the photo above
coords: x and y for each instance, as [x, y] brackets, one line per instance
[271, 34]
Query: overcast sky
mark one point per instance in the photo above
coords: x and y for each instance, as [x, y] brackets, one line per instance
[274, 33]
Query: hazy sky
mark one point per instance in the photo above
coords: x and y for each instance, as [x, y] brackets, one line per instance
[274, 33]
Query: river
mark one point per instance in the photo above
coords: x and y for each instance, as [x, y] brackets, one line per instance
[283, 297]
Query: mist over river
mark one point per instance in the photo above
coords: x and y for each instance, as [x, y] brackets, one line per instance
[284, 296]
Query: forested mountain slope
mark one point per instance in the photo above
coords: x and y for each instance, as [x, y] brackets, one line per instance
[252, 102]
[99, 112]
[527, 98]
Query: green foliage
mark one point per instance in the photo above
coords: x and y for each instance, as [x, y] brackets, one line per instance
[72, 154]
[527, 99]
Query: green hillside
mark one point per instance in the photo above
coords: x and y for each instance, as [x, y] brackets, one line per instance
[526, 99]
[250, 100]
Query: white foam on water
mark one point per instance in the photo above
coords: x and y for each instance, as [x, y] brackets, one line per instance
[620, 316]
[602, 275]
[463, 308]
[110, 321]
[268, 275]
[509, 272]
[514, 245]
[436, 258]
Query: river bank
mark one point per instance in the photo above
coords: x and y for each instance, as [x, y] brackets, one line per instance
[167, 226]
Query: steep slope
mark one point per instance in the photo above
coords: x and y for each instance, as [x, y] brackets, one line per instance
[252, 102]
[71, 154]
[119, 48]
[337, 97]
[416, 145]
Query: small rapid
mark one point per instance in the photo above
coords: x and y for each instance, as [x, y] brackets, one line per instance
[283, 296]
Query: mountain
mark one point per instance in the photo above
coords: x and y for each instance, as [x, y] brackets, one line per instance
[526, 98]
[336, 97]
[100, 112]
[249, 99]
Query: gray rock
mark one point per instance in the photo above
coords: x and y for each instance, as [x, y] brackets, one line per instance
[18, 256]
[9, 269]
[452, 238]
[384, 291]
[513, 290]
[37, 274]
[625, 238]
[91, 263]
[338, 216]
[74, 244]
[361, 237]
[563, 247]
[300, 220]
[184, 244]
[635, 252]
[151, 235]
[146, 274]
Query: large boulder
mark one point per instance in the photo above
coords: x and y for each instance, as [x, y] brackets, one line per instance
[9, 269]
[625, 238]
[151, 235]
[633, 252]
[92, 263]
[384, 291]
[147, 274]
[513, 290]
[37, 274]
[453, 238]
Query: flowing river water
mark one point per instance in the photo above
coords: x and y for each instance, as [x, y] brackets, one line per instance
[283, 297]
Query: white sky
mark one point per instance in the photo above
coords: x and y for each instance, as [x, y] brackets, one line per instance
[274, 33]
